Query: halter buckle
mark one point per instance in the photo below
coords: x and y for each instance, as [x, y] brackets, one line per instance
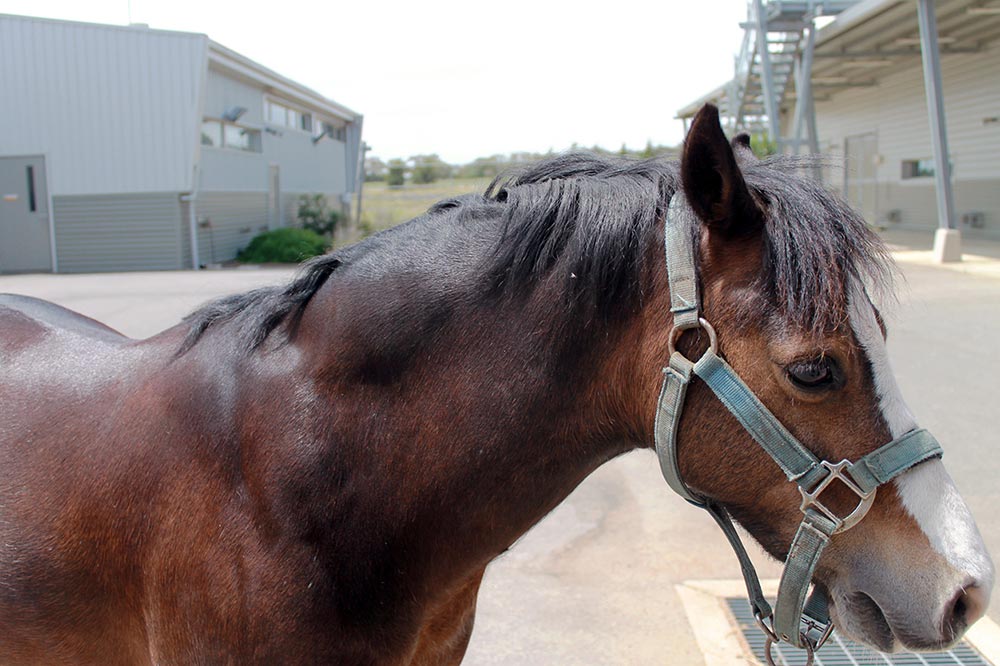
[836, 472]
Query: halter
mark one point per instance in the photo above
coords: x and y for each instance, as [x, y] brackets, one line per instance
[804, 623]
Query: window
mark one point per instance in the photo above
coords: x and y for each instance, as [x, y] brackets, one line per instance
[330, 130]
[211, 133]
[281, 114]
[32, 204]
[918, 169]
[241, 138]
[220, 134]
[276, 113]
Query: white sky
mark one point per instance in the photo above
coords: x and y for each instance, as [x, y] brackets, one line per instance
[467, 79]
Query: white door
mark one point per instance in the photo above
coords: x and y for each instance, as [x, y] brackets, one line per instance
[25, 245]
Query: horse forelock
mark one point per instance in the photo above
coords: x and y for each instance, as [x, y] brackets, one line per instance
[591, 217]
[816, 247]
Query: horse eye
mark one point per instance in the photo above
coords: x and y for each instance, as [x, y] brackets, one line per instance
[811, 375]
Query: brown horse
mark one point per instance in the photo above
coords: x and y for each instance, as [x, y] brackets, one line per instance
[320, 473]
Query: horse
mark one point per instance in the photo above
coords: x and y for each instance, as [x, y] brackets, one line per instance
[320, 472]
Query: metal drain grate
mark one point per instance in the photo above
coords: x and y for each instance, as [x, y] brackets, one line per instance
[842, 652]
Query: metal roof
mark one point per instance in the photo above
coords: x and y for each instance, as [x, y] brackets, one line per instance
[876, 37]
[241, 65]
[872, 38]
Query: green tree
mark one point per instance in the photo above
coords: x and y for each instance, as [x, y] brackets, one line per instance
[429, 168]
[375, 170]
[396, 175]
[762, 145]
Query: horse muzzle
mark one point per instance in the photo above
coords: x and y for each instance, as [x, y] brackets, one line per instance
[891, 628]
[924, 582]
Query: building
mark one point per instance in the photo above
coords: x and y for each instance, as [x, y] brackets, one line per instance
[126, 148]
[866, 87]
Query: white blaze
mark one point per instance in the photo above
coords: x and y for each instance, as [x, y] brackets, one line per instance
[897, 415]
[927, 491]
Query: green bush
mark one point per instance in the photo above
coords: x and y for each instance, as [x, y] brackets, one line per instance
[397, 173]
[315, 215]
[285, 246]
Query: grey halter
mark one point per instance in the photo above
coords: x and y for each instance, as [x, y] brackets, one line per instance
[805, 623]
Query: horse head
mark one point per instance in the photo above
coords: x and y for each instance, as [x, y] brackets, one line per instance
[785, 271]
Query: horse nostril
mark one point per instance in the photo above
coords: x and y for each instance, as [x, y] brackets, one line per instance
[968, 606]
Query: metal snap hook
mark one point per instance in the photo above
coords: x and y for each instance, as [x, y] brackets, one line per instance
[810, 653]
[763, 626]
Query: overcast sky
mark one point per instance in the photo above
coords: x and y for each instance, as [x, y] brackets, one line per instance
[466, 79]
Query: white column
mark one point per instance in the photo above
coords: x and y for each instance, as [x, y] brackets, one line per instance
[947, 238]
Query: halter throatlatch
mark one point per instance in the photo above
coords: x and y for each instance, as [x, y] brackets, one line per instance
[798, 620]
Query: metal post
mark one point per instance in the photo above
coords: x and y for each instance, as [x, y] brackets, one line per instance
[807, 89]
[947, 238]
[361, 180]
[192, 202]
[767, 75]
[800, 103]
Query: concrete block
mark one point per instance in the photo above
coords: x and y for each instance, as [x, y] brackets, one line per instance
[947, 245]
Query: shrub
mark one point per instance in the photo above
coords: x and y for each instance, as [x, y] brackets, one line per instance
[397, 173]
[286, 246]
[316, 216]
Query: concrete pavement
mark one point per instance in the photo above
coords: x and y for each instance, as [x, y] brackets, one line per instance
[594, 583]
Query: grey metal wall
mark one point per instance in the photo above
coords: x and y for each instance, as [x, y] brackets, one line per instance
[113, 109]
[305, 166]
[895, 111]
[118, 232]
[234, 218]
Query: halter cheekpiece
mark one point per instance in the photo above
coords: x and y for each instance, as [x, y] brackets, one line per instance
[798, 620]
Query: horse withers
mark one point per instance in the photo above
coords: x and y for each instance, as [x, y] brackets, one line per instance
[321, 472]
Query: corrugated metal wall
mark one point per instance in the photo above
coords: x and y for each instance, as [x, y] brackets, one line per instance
[234, 218]
[896, 111]
[118, 233]
[113, 109]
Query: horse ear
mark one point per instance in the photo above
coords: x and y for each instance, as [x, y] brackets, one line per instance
[712, 180]
[742, 150]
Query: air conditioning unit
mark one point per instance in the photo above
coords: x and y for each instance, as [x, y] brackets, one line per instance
[974, 219]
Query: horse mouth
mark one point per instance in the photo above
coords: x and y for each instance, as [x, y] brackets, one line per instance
[862, 619]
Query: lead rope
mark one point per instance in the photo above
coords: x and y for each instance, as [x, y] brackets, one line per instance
[798, 620]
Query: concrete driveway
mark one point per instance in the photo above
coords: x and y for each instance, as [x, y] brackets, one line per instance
[594, 583]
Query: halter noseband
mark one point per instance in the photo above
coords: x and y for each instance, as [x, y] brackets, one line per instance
[805, 623]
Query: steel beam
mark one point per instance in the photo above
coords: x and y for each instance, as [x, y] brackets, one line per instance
[946, 244]
[767, 76]
[892, 53]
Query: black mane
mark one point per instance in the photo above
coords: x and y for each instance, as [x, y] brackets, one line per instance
[592, 218]
[260, 311]
[595, 214]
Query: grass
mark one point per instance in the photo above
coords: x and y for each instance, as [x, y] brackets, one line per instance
[383, 207]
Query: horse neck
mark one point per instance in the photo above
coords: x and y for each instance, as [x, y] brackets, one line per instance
[488, 427]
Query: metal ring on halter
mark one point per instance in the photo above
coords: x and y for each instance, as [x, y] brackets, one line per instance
[810, 653]
[824, 635]
[763, 626]
[675, 334]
